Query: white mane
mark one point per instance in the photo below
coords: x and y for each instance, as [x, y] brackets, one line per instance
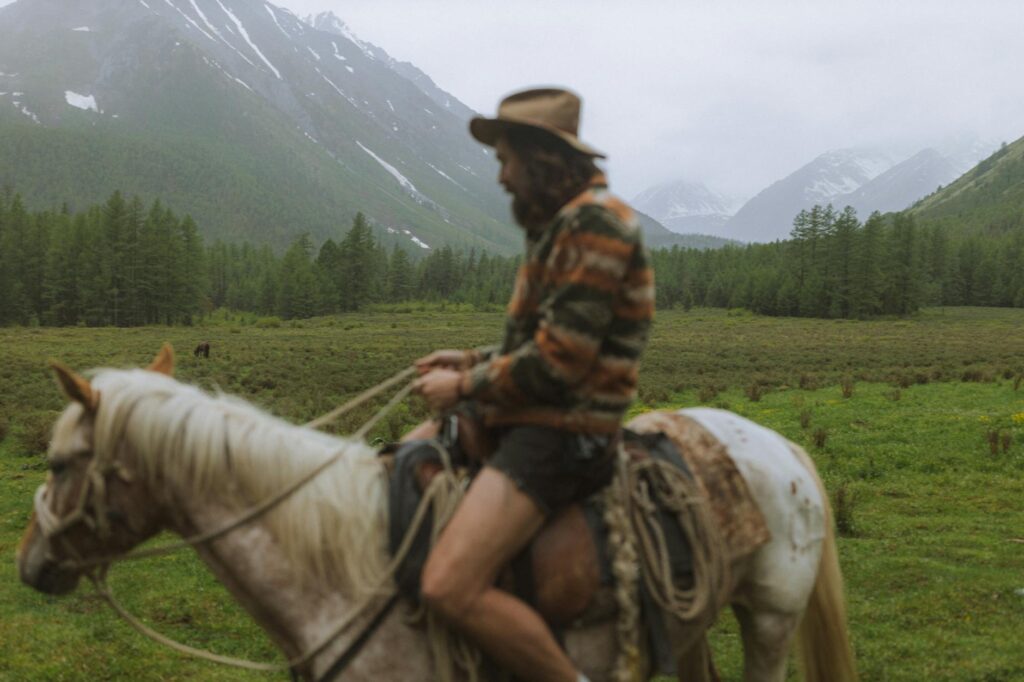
[333, 528]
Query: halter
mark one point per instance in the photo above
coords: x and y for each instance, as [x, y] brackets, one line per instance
[93, 494]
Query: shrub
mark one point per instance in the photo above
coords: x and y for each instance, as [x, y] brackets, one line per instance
[707, 393]
[1006, 440]
[820, 436]
[270, 322]
[808, 382]
[847, 385]
[1016, 382]
[993, 441]
[31, 434]
[843, 502]
[894, 395]
[754, 392]
[805, 419]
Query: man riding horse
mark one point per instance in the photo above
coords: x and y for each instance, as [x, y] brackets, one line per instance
[555, 392]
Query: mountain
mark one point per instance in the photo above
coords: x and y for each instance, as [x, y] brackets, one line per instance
[987, 199]
[256, 123]
[686, 207]
[903, 184]
[330, 23]
[657, 236]
[769, 215]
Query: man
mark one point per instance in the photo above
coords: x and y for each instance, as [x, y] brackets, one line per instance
[556, 391]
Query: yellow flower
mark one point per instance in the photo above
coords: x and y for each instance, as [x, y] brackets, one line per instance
[984, 419]
[1018, 418]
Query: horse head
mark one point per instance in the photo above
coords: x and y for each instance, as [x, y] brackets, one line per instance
[90, 507]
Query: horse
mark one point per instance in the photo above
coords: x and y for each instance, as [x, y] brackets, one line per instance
[203, 349]
[177, 458]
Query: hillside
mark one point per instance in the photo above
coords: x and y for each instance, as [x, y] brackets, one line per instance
[988, 198]
[254, 122]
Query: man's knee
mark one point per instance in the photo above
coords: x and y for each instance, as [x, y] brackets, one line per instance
[443, 592]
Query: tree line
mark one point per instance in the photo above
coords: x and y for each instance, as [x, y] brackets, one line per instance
[833, 266]
[124, 264]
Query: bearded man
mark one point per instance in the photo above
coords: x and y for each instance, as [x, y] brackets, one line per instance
[555, 392]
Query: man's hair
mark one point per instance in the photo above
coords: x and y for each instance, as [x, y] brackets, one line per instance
[556, 173]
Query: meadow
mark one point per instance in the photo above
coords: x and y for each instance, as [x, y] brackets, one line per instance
[917, 426]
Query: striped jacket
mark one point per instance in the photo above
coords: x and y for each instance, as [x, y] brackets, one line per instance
[577, 322]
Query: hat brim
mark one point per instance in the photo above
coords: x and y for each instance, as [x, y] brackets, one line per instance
[488, 130]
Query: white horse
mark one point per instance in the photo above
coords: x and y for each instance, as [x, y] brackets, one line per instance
[178, 459]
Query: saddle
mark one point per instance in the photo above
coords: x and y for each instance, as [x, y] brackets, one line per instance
[565, 572]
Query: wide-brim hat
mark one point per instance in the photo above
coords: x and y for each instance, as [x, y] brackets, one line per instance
[553, 110]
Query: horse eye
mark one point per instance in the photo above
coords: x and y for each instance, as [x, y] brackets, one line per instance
[57, 466]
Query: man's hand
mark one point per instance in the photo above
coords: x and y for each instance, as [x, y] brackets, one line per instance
[441, 359]
[440, 388]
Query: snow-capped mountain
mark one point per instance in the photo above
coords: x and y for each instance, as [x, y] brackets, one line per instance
[769, 215]
[902, 185]
[686, 207]
[259, 124]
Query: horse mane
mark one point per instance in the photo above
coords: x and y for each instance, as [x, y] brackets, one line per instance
[332, 528]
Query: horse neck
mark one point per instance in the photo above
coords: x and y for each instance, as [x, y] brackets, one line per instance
[295, 611]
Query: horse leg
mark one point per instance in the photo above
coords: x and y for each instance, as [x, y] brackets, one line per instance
[767, 638]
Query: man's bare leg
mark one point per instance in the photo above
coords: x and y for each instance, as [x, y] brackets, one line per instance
[493, 522]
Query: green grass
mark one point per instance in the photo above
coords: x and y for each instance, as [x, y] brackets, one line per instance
[933, 563]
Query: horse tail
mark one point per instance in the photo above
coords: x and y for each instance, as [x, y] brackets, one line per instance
[823, 638]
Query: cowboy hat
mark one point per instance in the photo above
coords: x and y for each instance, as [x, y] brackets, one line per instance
[553, 110]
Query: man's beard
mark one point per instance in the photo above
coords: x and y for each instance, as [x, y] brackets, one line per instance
[533, 212]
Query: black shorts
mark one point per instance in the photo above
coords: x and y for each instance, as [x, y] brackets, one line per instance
[554, 467]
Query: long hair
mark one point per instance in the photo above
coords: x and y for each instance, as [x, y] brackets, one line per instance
[556, 173]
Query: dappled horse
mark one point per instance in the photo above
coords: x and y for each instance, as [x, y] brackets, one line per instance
[136, 452]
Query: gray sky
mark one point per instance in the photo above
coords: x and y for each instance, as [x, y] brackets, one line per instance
[735, 94]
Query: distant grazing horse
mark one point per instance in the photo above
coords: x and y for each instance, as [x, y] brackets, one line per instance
[202, 349]
[173, 457]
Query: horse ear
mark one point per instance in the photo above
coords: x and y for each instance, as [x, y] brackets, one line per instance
[164, 361]
[75, 386]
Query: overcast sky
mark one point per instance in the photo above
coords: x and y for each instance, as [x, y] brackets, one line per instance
[734, 94]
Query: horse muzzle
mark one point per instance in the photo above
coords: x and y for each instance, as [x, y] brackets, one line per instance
[39, 570]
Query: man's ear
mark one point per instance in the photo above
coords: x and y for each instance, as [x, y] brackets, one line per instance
[75, 386]
[164, 361]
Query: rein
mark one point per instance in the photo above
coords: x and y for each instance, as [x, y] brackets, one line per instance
[93, 494]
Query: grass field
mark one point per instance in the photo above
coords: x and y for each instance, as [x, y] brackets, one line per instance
[933, 519]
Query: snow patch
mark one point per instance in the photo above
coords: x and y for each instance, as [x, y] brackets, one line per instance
[143, 3]
[245, 36]
[446, 176]
[273, 16]
[416, 240]
[468, 169]
[84, 102]
[313, 52]
[337, 89]
[394, 128]
[243, 83]
[23, 109]
[350, 69]
[402, 180]
[83, 29]
[390, 105]
[337, 54]
[428, 111]
[190, 20]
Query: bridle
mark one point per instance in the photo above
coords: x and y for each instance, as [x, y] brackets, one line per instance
[93, 493]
